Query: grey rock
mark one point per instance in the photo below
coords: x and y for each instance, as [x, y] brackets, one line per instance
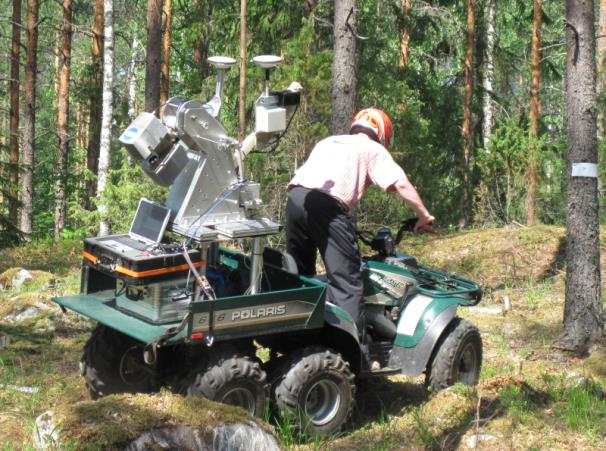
[475, 439]
[226, 437]
[20, 278]
[46, 433]
[29, 312]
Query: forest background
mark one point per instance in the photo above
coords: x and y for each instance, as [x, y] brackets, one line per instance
[410, 61]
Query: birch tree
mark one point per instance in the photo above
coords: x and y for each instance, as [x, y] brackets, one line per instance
[242, 104]
[132, 78]
[29, 131]
[488, 79]
[106, 121]
[344, 66]
[65, 55]
[13, 177]
[583, 313]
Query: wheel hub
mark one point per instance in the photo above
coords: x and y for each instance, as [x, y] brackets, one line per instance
[322, 402]
[240, 397]
[467, 365]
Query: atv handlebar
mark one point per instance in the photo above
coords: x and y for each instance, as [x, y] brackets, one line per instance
[367, 237]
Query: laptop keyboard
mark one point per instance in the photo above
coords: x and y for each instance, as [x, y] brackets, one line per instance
[135, 244]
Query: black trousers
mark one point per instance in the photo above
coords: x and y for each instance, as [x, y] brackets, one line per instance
[316, 221]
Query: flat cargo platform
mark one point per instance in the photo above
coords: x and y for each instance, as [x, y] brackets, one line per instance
[101, 307]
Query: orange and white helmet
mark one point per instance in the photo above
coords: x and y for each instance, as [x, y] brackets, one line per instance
[376, 121]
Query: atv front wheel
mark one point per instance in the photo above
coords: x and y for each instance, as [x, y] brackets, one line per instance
[456, 358]
[113, 363]
[316, 387]
[234, 379]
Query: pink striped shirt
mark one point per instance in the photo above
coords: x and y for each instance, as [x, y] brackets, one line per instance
[344, 166]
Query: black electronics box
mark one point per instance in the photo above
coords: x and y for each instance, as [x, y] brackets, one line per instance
[111, 256]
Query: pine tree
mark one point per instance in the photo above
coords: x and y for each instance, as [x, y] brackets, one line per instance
[95, 89]
[535, 84]
[583, 313]
[165, 64]
[13, 178]
[62, 118]
[344, 66]
[466, 127]
[153, 55]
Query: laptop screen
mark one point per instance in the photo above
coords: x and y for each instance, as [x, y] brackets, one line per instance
[150, 221]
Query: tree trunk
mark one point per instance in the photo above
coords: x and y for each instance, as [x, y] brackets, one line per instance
[308, 7]
[202, 43]
[132, 79]
[29, 129]
[601, 80]
[344, 66]
[583, 315]
[62, 119]
[106, 121]
[488, 106]
[94, 122]
[466, 127]
[13, 177]
[153, 56]
[405, 36]
[242, 104]
[57, 64]
[165, 68]
[533, 134]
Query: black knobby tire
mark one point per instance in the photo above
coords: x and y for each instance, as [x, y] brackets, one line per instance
[231, 378]
[112, 362]
[314, 387]
[457, 357]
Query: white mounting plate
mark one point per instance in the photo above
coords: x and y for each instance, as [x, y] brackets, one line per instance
[221, 62]
[267, 61]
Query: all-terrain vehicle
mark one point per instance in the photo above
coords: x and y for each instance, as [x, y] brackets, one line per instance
[192, 315]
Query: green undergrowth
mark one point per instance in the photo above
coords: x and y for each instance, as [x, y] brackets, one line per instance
[58, 257]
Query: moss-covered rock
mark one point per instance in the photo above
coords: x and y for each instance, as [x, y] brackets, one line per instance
[25, 306]
[495, 258]
[37, 310]
[17, 278]
[161, 421]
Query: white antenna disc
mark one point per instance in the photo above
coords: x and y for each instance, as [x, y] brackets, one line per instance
[267, 61]
[221, 62]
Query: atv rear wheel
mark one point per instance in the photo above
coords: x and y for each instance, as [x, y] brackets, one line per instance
[113, 363]
[234, 379]
[316, 387]
[456, 358]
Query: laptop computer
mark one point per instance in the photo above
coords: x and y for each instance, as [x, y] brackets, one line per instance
[146, 229]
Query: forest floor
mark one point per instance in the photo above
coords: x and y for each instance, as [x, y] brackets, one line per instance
[530, 395]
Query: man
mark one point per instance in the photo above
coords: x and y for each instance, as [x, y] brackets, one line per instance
[322, 194]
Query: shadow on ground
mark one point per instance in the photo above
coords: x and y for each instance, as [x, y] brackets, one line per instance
[379, 397]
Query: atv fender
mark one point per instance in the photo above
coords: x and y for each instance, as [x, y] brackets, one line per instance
[415, 343]
[341, 334]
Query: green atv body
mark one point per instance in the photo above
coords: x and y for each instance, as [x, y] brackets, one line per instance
[315, 350]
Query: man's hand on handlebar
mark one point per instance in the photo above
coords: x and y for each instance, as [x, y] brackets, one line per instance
[424, 225]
